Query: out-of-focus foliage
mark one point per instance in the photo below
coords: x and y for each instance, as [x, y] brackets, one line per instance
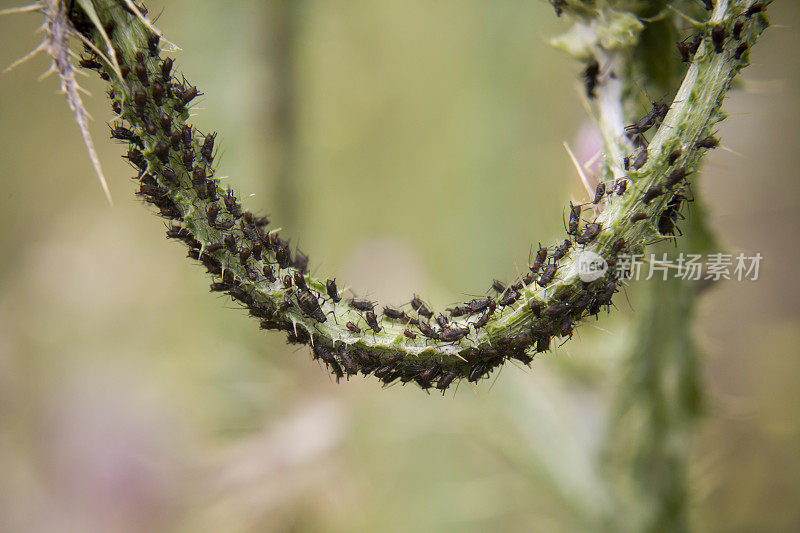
[133, 401]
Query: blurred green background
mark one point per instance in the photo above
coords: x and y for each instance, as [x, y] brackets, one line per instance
[407, 146]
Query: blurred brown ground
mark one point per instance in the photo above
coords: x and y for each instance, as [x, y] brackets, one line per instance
[428, 158]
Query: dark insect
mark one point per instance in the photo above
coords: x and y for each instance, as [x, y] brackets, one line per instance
[754, 9]
[557, 309]
[559, 6]
[199, 177]
[675, 177]
[448, 377]
[212, 247]
[589, 233]
[453, 334]
[385, 373]
[309, 305]
[562, 250]
[523, 358]
[161, 150]
[211, 213]
[547, 275]
[509, 298]
[666, 221]
[124, 134]
[622, 186]
[158, 92]
[231, 204]
[333, 292]
[149, 127]
[641, 158]
[166, 69]
[257, 250]
[599, 192]
[287, 281]
[352, 327]
[141, 73]
[626, 163]
[458, 311]
[152, 44]
[476, 373]
[428, 331]
[393, 313]
[541, 257]
[285, 304]
[566, 329]
[543, 344]
[269, 274]
[230, 243]
[175, 231]
[740, 50]
[372, 320]
[618, 246]
[299, 280]
[137, 159]
[224, 226]
[419, 307]
[718, 38]
[653, 117]
[211, 191]
[321, 352]
[188, 95]
[199, 183]
[282, 255]
[349, 364]
[688, 47]
[139, 100]
[361, 305]
[636, 217]
[207, 151]
[430, 373]
[482, 320]
[590, 78]
[674, 156]
[219, 287]
[409, 334]
[652, 193]
[574, 219]
[481, 304]
[442, 321]
[188, 160]
[186, 136]
[90, 64]
[498, 286]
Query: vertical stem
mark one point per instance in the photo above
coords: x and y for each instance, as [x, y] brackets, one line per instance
[659, 402]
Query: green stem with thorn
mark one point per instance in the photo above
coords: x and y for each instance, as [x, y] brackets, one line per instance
[177, 176]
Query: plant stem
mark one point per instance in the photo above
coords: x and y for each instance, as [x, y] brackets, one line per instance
[258, 269]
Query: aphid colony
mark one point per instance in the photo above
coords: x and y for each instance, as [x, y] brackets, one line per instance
[175, 161]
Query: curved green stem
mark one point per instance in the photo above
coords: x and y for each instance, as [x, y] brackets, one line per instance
[258, 269]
